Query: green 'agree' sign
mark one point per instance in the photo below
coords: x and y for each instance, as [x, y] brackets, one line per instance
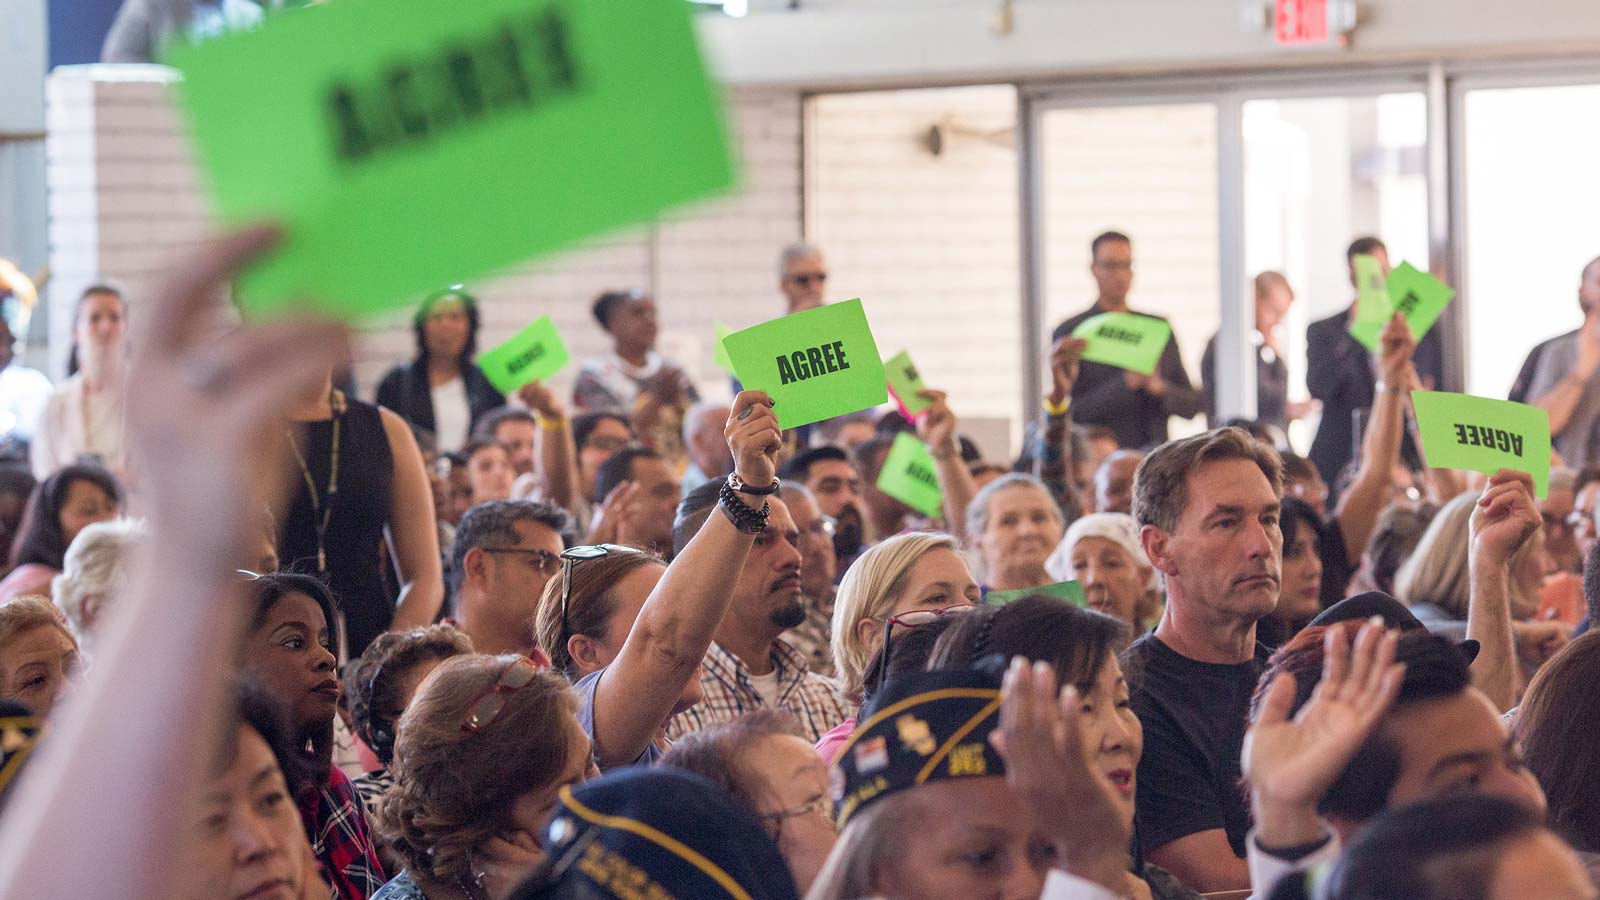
[815, 364]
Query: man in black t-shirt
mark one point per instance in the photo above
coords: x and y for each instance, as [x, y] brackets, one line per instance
[1207, 507]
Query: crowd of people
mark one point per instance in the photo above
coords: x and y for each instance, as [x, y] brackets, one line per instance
[261, 638]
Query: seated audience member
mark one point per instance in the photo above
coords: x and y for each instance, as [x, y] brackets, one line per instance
[540, 442]
[1300, 585]
[1587, 487]
[488, 471]
[1101, 552]
[634, 380]
[1457, 847]
[818, 577]
[705, 445]
[39, 659]
[289, 649]
[597, 436]
[1207, 507]
[930, 808]
[749, 664]
[480, 757]
[1554, 727]
[906, 574]
[1556, 511]
[1302, 481]
[656, 833]
[634, 636]
[517, 430]
[1081, 646]
[1394, 539]
[836, 486]
[457, 488]
[1113, 482]
[379, 686]
[506, 552]
[1013, 524]
[642, 518]
[249, 839]
[847, 431]
[16, 486]
[98, 564]
[767, 766]
[442, 391]
[985, 472]
[60, 507]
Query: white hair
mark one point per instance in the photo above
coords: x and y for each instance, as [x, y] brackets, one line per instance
[96, 564]
[1118, 528]
[793, 252]
[693, 415]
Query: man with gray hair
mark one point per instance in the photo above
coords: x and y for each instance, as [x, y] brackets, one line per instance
[505, 552]
[703, 440]
[801, 276]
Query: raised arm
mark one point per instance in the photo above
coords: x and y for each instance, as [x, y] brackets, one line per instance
[1054, 460]
[937, 428]
[105, 808]
[1561, 400]
[413, 534]
[674, 629]
[558, 457]
[1503, 520]
[1357, 513]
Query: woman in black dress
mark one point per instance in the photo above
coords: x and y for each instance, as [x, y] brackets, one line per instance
[442, 391]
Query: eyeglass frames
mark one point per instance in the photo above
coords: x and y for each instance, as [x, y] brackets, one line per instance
[913, 618]
[571, 557]
[822, 806]
[804, 279]
[492, 702]
[544, 559]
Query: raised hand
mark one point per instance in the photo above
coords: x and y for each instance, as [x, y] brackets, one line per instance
[542, 400]
[754, 439]
[1052, 770]
[609, 519]
[1505, 517]
[1538, 641]
[937, 424]
[1291, 763]
[1395, 348]
[1065, 355]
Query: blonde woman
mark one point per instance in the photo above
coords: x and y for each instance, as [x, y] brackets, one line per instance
[916, 572]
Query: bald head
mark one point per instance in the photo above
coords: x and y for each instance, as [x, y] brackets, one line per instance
[703, 438]
[1113, 482]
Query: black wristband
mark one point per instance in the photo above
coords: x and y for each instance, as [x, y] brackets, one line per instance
[744, 487]
[747, 520]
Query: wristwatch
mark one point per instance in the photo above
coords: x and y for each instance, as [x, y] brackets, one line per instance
[738, 484]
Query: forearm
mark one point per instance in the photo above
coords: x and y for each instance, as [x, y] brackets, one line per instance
[1358, 510]
[1052, 457]
[1489, 623]
[420, 601]
[1561, 401]
[956, 488]
[558, 463]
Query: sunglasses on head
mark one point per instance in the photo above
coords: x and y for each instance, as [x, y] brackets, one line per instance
[492, 702]
[571, 557]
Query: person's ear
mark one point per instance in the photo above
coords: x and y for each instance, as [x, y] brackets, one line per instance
[586, 653]
[868, 632]
[475, 565]
[1155, 544]
[89, 610]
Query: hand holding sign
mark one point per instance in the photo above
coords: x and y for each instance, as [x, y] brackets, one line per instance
[1412, 293]
[533, 354]
[1460, 431]
[542, 400]
[1125, 340]
[814, 364]
[1504, 517]
[938, 428]
[909, 475]
[1398, 345]
[754, 439]
[1065, 355]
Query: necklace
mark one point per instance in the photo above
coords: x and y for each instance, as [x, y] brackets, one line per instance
[322, 506]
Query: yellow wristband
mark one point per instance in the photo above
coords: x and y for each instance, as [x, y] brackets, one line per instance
[552, 424]
[1055, 410]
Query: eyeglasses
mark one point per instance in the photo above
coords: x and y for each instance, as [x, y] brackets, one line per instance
[607, 444]
[544, 559]
[804, 279]
[492, 702]
[914, 618]
[822, 806]
[825, 526]
[571, 557]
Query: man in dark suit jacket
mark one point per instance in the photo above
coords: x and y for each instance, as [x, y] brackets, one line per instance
[1339, 372]
[1135, 407]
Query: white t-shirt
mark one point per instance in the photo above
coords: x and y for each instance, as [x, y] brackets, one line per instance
[23, 395]
[767, 686]
[452, 415]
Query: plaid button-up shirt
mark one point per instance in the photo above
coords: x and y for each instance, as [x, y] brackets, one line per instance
[725, 683]
[342, 841]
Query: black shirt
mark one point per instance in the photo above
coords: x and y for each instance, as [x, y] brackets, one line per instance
[1272, 384]
[1100, 396]
[1194, 722]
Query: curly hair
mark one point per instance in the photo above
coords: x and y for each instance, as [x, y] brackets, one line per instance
[371, 682]
[454, 789]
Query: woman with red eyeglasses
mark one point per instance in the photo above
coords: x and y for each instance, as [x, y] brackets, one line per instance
[481, 756]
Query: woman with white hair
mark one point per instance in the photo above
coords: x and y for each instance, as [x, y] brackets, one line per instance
[1013, 523]
[1102, 553]
[95, 565]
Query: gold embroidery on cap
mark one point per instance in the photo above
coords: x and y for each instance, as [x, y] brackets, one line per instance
[915, 734]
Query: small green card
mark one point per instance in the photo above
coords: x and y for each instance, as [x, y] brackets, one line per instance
[533, 354]
[1418, 296]
[1460, 431]
[404, 144]
[815, 364]
[719, 353]
[905, 383]
[1125, 340]
[1070, 591]
[1373, 308]
[910, 475]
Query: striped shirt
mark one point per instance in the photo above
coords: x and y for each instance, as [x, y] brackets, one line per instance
[728, 693]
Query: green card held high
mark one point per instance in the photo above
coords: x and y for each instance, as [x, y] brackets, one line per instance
[1413, 293]
[909, 475]
[403, 144]
[1460, 431]
[534, 354]
[815, 364]
[1125, 340]
[904, 385]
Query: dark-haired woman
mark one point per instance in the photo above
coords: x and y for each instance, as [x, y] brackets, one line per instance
[60, 507]
[84, 417]
[1553, 726]
[289, 649]
[442, 391]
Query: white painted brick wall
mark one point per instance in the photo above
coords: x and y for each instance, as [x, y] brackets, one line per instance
[125, 194]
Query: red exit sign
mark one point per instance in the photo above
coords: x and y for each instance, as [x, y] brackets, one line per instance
[1300, 22]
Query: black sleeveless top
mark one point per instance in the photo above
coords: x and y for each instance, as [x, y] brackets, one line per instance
[357, 516]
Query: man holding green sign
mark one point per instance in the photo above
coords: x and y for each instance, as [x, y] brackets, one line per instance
[471, 130]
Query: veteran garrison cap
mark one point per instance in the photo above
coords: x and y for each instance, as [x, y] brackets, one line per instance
[656, 834]
[924, 726]
[19, 734]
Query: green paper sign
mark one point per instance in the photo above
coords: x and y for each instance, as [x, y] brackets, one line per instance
[1373, 308]
[910, 475]
[1070, 591]
[1460, 431]
[1125, 340]
[719, 353]
[404, 144]
[534, 354]
[1418, 296]
[905, 383]
[815, 364]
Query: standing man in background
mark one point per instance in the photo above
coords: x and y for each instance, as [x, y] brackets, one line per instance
[801, 276]
[1563, 381]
